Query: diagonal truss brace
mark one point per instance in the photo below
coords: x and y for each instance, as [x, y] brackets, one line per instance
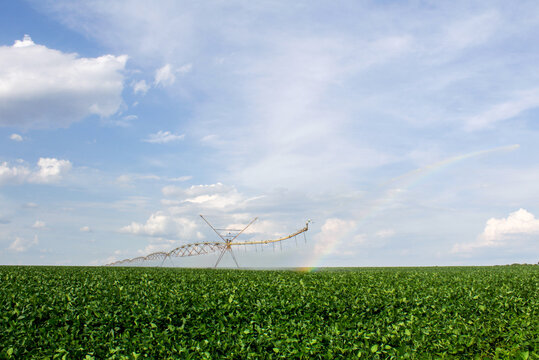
[227, 240]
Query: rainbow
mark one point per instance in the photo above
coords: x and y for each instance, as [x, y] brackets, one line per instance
[390, 193]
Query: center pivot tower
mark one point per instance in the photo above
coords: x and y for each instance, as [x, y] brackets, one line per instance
[228, 236]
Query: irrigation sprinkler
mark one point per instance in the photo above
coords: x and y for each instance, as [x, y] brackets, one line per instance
[228, 239]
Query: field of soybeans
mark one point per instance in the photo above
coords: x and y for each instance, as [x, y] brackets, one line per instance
[175, 313]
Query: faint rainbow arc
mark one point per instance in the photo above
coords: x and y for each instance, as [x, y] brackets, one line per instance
[409, 179]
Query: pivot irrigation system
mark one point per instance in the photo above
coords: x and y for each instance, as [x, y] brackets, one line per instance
[228, 239]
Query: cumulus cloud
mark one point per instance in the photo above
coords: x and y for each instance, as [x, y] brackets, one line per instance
[16, 137]
[179, 216]
[518, 222]
[498, 232]
[222, 205]
[48, 170]
[13, 174]
[21, 244]
[331, 234]
[163, 137]
[162, 224]
[42, 87]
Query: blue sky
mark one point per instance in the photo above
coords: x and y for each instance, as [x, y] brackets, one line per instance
[406, 130]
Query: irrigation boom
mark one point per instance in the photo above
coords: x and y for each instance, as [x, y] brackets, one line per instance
[228, 236]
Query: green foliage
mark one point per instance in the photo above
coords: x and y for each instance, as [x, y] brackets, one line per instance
[163, 313]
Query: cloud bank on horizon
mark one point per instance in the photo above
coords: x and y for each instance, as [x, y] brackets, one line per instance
[408, 132]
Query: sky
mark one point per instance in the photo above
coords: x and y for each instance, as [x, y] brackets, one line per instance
[405, 130]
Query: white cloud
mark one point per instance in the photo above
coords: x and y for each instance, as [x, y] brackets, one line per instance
[21, 245]
[25, 42]
[42, 87]
[207, 197]
[179, 216]
[16, 137]
[48, 170]
[332, 233]
[266, 227]
[141, 87]
[129, 179]
[197, 190]
[216, 201]
[85, 229]
[162, 224]
[518, 222]
[39, 224]
[163, 137]
[498, 232]
[15, 174]
[164, 76]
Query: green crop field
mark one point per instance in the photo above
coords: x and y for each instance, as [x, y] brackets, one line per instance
[371, 313]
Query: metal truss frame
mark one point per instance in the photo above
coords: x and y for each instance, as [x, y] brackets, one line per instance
[228, 236]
